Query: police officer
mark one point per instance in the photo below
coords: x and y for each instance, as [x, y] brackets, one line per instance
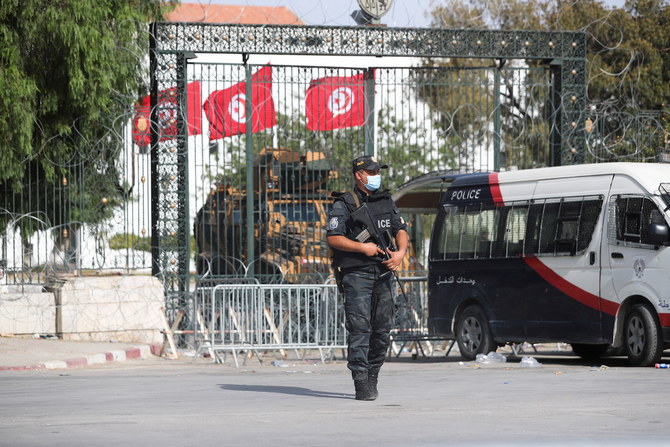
[364, 272]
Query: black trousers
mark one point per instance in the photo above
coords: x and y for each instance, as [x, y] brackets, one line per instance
[369, 318]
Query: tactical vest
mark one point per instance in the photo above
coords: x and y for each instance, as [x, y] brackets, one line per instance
[381, 210]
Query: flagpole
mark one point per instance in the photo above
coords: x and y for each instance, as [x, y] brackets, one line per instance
[370, 121]
[248, 131]
[183, 168]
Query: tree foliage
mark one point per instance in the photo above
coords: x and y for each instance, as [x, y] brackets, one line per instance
[69, 71]
[627, 50]
[628, 57]
[628, 66]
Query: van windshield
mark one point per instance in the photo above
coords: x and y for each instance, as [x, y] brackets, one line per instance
[664, 189]
[298, 212]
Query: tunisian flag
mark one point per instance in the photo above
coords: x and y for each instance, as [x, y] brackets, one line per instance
[335, 102]
[226, 109]
[167, 100]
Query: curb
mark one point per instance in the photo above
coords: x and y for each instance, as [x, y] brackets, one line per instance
[121, 355]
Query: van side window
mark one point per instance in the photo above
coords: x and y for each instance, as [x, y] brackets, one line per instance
[466, 232]
[562, 226]
[545, 227]
[664, 190]
[515, 230]
[632, 215]
[487, 232]
[589, 218]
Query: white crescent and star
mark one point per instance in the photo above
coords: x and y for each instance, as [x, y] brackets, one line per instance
[237, 108]
[340, 101]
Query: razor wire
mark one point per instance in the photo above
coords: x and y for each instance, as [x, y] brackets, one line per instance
[121, 243]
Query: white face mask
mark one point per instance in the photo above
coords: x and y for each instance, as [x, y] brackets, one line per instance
[374, 182]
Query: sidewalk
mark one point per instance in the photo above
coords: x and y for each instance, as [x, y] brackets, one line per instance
[36, 353]
[41, 354]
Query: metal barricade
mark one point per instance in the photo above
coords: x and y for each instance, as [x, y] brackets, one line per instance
[411, 318]
[253, 317]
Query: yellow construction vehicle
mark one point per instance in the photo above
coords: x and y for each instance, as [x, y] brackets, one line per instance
[290, 209]
[289, 218]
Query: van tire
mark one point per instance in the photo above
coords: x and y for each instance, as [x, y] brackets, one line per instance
[589, 352]
[642, 337]
[473, 333]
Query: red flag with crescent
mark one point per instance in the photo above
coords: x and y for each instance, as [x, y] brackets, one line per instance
[167, 100]
[226, 110]
[335, 102]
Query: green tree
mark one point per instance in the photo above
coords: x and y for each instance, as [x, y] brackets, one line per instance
[627, 51]
[627, 59]
[628, 63]
[627, 47]
[466, 92]
[69, 72]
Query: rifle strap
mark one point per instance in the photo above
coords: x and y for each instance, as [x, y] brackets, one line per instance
[356, 199]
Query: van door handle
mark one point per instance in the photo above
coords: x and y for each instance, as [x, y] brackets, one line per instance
[617, 255]
[592, 257]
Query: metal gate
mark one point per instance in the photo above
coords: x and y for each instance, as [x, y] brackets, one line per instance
[247, 197]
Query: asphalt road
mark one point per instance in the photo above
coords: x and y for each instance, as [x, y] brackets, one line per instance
[425, 402]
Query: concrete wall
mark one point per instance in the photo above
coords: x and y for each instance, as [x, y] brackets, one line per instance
[120, 308]
[27, 313]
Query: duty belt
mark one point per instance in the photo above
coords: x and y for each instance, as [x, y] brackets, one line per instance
[372, 268]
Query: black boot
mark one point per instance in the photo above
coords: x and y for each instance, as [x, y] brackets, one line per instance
[363, 391]
[372, 385]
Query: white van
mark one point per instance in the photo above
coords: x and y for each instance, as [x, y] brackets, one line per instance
[576, 254]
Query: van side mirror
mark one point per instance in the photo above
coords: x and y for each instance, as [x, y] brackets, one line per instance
[658, 234]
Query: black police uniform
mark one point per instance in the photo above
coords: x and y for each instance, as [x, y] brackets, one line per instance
[366, 282]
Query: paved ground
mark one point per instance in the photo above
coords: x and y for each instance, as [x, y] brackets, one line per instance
[429, 401]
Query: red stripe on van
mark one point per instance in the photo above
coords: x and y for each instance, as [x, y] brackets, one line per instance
[496, 195]
[574, 292]
[665, 319]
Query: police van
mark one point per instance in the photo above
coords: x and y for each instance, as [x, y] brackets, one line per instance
[575, 254]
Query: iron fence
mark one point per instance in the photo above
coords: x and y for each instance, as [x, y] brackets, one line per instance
[268, 221]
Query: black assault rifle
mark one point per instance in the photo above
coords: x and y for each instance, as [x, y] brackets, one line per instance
[362, 218]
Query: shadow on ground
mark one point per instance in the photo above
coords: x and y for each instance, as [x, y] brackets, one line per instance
[293, 390]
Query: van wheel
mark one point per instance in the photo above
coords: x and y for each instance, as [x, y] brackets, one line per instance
[589, 352]
[473, 333]
[642, 338]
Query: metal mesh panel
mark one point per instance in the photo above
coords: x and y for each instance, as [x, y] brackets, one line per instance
[632, 215]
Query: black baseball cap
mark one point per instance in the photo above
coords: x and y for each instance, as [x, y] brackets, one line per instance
[366, 162]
